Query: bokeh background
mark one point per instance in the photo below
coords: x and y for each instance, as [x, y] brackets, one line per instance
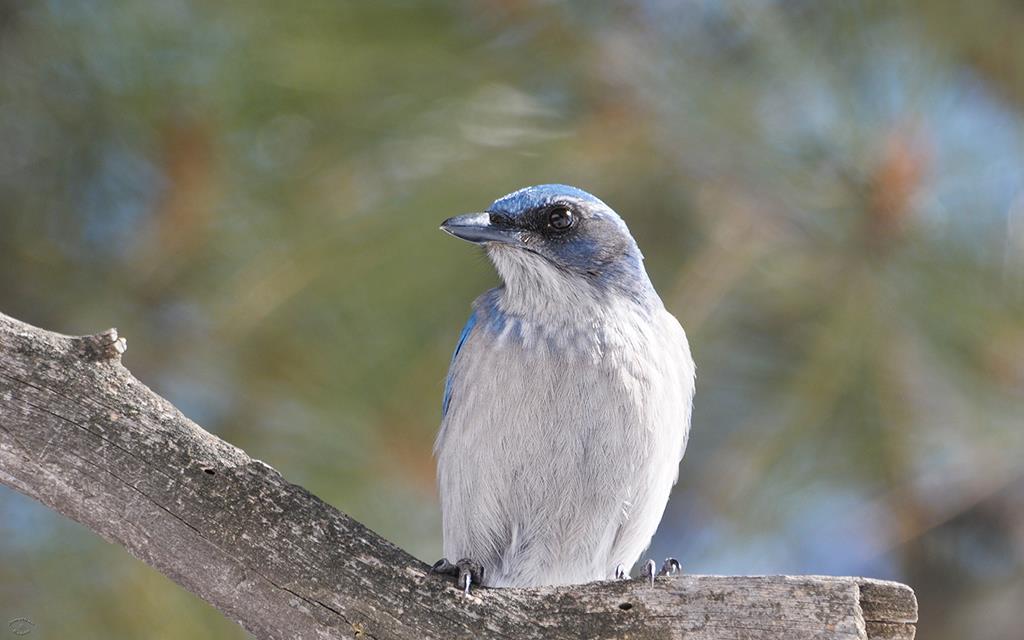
[830, 196]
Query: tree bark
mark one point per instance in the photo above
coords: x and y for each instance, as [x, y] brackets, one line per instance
[80, 434]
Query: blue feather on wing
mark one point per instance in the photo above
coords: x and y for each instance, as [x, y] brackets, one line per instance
[466, 330]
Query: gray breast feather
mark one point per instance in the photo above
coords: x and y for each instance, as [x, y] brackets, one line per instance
[560, 444]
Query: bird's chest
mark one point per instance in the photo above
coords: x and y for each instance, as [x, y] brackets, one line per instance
[579, 382]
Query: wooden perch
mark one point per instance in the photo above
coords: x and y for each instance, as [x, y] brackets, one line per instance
[84, 437]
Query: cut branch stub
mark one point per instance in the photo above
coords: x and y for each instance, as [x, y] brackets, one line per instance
[101, 346]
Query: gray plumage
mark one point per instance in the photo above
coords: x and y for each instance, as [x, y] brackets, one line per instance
[567, 405]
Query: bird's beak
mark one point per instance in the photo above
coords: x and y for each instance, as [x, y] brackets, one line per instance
[478, 228]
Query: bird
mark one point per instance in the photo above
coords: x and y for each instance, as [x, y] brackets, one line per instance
[567, 404]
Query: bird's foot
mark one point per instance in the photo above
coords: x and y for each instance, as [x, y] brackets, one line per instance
[465, 571]
[670, 567]
[620, 572]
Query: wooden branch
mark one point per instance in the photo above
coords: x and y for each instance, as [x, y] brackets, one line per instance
[81, 435]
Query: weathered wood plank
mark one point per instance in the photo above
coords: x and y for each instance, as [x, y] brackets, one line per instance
[890, 609]
[81, 435]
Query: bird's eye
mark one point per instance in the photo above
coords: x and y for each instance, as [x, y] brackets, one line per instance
[560, 218]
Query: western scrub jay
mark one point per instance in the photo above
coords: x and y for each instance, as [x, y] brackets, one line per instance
[567, 405]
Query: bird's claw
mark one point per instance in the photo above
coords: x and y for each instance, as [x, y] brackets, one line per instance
[444, 567]
[670, 567]
[465, 571]
[469, 572]
[648, 571]
[620, 572]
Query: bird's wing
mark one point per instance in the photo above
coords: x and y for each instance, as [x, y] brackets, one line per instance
[466, 330]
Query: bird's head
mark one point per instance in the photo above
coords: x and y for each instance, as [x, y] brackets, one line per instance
[555, 238]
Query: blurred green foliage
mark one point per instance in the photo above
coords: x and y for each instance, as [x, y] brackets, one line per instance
[830, 197]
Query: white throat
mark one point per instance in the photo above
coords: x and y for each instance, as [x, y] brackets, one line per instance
[537, 290]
